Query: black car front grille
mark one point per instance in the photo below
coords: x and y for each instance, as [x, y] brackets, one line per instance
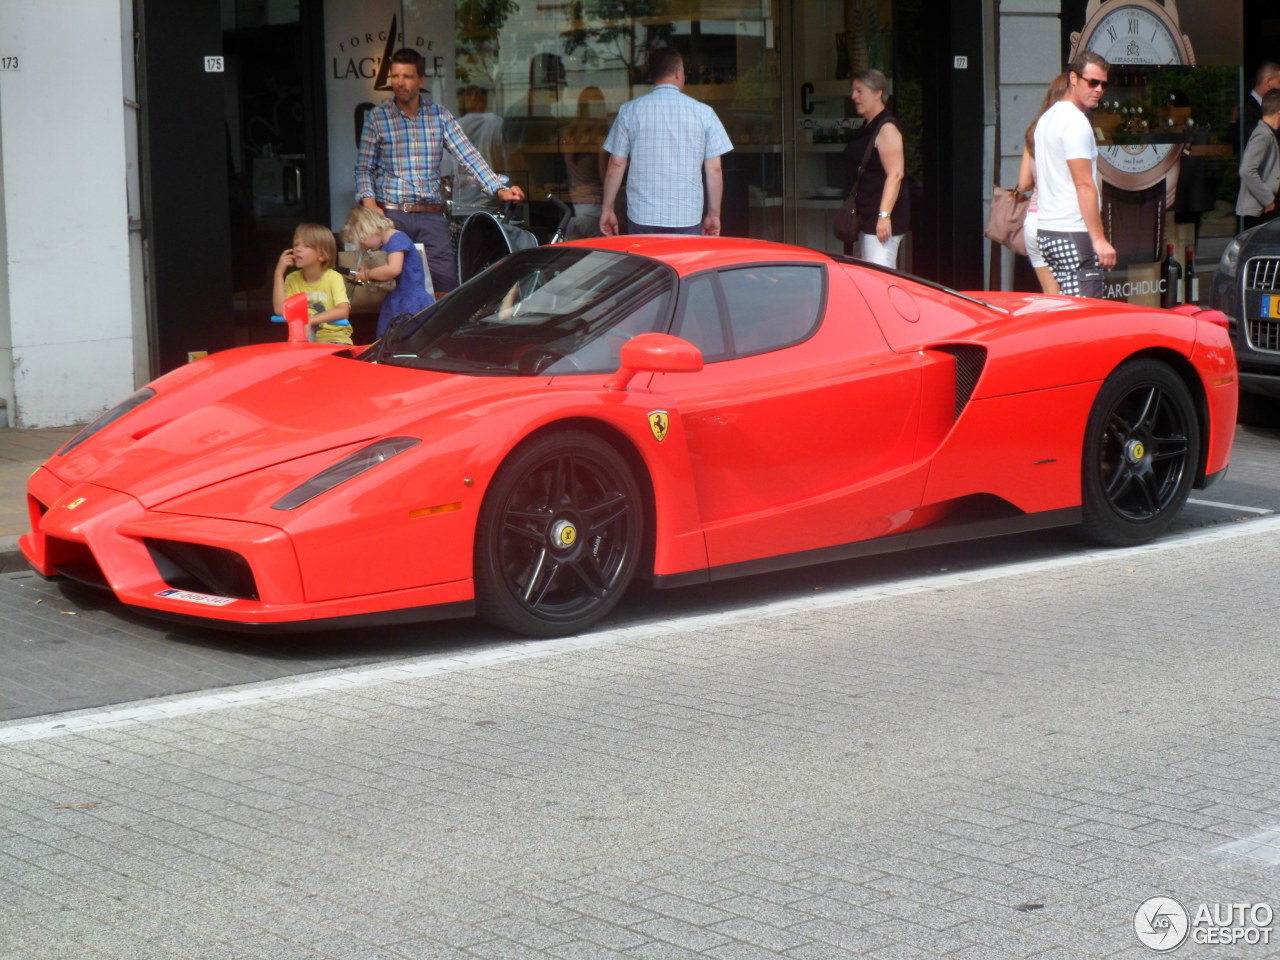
[1265, 335]
[1262, 273]
[1261, 277]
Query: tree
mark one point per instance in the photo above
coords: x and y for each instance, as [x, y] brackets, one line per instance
[617, 30]
[478, 23]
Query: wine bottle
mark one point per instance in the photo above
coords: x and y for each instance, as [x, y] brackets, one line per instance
[1170, 279]
[1191, 282]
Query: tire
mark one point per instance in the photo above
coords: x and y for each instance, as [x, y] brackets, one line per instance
[559, 536]
[1141, 451]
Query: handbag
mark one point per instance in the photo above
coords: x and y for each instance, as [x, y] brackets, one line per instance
[846, 227]
[365, 297]
[1004, 221]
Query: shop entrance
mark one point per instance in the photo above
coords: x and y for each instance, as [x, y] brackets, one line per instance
[275, 130]
[230, 129]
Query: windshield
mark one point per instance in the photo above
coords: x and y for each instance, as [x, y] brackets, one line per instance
[541, 312]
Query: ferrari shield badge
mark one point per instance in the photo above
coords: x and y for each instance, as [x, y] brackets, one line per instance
[658, 422]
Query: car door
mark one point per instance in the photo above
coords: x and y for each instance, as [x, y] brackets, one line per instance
[802, 423]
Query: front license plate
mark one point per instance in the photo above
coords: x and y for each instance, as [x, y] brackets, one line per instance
[1270, 307]
[187, 596]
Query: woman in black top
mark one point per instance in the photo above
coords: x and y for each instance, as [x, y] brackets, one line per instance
[883, 207]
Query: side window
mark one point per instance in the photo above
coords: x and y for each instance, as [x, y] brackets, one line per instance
[771, 306]
[700, 322]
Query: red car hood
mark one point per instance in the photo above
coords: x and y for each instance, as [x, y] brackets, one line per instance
[321, 405]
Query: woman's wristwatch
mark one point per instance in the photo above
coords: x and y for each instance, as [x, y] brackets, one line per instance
[884, 214]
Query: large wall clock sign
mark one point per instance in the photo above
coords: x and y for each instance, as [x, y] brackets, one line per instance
[1139, 179]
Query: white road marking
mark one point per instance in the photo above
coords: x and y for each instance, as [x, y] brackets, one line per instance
[185, 705]
[1262, 511]
[1264, 846]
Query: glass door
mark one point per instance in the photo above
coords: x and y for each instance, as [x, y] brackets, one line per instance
[267, 152]
[829, 43]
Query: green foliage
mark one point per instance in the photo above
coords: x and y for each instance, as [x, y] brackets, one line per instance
[477, 23]
[619, 30]
[1211, 92]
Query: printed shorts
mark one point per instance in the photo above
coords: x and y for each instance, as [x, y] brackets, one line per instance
[1074, 264]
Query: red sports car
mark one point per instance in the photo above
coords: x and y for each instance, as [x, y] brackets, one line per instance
[674, 408]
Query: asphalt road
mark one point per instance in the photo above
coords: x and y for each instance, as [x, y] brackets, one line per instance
[67, 648]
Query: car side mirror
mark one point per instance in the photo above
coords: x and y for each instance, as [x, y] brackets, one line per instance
[654, 353]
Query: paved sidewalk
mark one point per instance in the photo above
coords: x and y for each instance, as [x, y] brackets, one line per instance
[980, 769]
[21, 451]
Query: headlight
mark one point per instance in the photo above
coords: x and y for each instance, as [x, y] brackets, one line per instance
[1229, 265]
[350, 466]
[111, 416]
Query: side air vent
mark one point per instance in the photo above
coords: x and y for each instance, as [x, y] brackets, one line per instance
[970, 360]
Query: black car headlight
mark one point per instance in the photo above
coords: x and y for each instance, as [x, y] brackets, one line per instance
[111, 416]
[1229, 264]
[350, 466]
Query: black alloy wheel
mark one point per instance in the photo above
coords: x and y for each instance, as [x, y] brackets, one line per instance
[559, 536]
[1141, 450]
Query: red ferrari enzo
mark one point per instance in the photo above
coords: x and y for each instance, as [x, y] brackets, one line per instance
[680, 409]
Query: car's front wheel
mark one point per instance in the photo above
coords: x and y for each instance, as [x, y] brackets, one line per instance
[1141, 449]
[559, 536]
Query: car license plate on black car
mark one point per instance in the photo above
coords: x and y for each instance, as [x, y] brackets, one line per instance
[1270, 307]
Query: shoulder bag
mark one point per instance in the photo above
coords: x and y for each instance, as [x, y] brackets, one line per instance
[1004, 222]
[846, 226]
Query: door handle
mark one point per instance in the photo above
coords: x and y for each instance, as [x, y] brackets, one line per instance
[291, 188]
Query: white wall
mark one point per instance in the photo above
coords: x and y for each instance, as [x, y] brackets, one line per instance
[1030, 55]
[67, 328]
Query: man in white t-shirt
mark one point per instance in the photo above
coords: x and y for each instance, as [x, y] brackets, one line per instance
[1072, 240]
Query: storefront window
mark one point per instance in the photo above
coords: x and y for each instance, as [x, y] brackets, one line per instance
[538, 85]
[1167, 150]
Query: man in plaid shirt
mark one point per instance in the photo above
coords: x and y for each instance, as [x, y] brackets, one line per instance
[398, 165]
[671, 141]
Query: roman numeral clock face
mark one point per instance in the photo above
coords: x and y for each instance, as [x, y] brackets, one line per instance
[1144, 33]
[1134, 159]
[1135, 35]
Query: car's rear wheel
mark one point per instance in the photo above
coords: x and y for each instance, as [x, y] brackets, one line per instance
[559, 536]
[1141, 448]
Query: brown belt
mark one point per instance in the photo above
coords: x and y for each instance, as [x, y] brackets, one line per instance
[412, 207]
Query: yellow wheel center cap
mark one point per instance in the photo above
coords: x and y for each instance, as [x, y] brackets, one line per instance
[564, 534]
[1136, 451]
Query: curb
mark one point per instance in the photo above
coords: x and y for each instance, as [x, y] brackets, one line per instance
[11, 558]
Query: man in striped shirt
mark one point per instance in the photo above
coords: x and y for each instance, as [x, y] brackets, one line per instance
[398, 165]
[670, 141]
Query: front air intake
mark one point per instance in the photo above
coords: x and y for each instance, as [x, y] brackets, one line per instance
[203, 569]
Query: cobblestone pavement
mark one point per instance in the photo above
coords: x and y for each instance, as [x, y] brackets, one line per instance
[984, 767]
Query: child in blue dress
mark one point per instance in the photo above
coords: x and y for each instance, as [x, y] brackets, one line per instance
[371, 230]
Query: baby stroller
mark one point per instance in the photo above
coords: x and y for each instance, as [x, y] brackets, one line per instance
[486, 238]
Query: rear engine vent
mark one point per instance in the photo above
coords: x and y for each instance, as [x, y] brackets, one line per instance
[203, 569]
[970, 361]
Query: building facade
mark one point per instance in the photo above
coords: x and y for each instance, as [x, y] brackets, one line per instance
[156, 157]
